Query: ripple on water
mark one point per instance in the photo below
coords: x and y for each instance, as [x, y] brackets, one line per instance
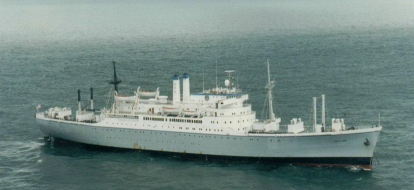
[18, 163]
[355, 169]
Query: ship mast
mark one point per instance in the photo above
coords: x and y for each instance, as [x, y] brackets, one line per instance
[203, 77]
[216, 79]
[270, 85]
[116, 81]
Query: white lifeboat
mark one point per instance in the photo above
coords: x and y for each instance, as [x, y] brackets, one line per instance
[147, 93]
[125, 98]
[190, 113]
[171, 109]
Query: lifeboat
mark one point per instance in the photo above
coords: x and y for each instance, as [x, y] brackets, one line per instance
[147, 93]
[125, 98]
[171, 109]
[190, 113]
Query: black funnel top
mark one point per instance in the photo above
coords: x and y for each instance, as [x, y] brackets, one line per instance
[91, 93]
[79, 97]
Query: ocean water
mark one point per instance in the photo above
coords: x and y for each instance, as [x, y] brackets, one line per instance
[359, 53]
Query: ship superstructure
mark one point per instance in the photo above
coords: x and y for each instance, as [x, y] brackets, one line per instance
[213, 124]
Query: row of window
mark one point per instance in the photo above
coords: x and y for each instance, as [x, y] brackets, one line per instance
[136, 117]
[186, 120]
[189, 135]
[187, 128]
[200, 129]
[173, 120]
[154, 119]
[241, 113]
[229, 121]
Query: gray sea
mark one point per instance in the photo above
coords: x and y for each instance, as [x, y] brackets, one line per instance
[359, 53]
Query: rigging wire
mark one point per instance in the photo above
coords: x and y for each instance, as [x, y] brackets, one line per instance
[265, 105]
[110, 94]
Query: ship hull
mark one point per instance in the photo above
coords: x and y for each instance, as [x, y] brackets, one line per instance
[330, 150]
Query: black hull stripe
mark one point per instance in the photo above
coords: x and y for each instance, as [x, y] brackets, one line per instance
[346, 161]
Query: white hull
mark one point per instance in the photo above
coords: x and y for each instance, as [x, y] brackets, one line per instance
[345, 147]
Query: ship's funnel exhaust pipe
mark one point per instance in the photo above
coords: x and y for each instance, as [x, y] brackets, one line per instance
[176, 90]
[79, 102]
[91, 98]
[186, 87]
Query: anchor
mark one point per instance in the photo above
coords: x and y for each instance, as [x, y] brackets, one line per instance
[367, 143]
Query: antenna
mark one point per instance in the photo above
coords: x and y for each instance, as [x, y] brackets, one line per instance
[269, 87]
[216, 78]
[379, 119]
[203, 77]
[314, 114]
[237, 82]
[268, 70]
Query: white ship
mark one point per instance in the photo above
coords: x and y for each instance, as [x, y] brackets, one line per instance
[216, 124]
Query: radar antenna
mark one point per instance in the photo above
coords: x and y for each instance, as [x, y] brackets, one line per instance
[229, 72]
[116, 81]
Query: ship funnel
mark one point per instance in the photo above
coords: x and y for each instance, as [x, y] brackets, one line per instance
[79, 97]
[176, 90]
[91, 98]
[186, 87]
[79, 102]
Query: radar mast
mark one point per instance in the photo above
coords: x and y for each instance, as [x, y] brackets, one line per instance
[270, 85]
[116, 81]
